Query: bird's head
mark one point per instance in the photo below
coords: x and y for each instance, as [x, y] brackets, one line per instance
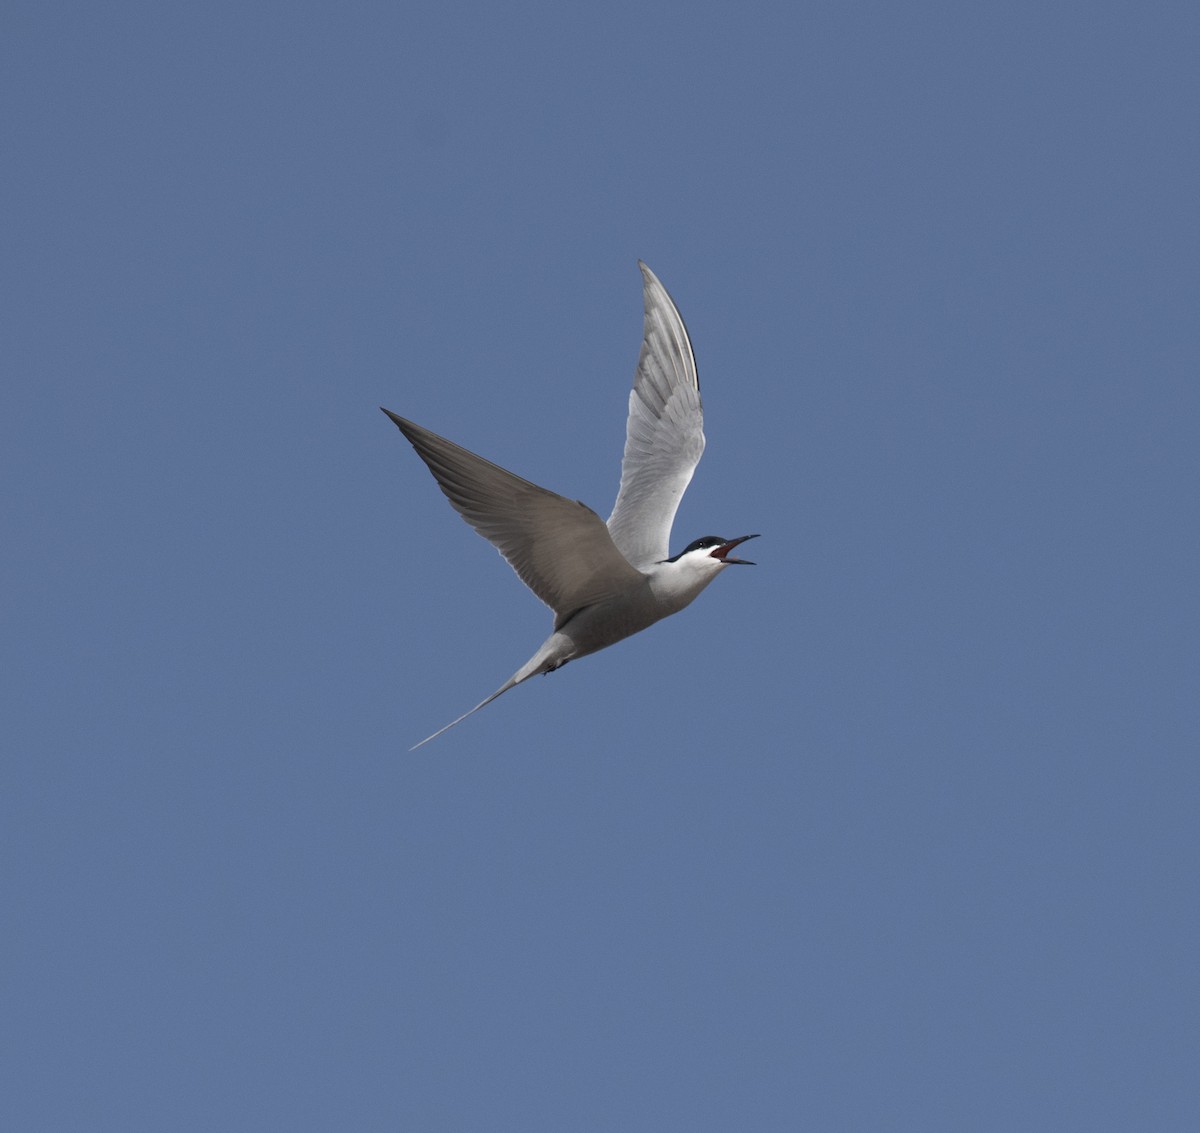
[712, 552]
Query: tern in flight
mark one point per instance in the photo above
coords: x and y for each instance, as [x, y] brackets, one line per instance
[604, 581]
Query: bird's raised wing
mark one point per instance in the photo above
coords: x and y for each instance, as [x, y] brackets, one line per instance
[665, 434]
[560, 548]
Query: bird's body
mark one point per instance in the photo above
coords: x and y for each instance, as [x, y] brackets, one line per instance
[604, 582]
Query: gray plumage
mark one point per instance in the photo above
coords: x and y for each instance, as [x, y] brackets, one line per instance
[604, 582]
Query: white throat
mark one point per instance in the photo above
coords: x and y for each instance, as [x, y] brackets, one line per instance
[675, 584]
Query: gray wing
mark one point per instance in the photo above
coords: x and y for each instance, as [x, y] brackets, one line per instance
[665, 434]
[560, 548]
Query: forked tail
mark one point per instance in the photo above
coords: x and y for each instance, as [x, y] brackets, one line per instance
[510, 683]
[547, 658]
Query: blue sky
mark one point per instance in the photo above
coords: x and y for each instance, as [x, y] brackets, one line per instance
[896, 831]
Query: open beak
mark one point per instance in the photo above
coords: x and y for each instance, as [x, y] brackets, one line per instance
[722, 552]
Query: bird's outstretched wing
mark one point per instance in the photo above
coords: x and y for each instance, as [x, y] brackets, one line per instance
[665, 434]
[560, 548]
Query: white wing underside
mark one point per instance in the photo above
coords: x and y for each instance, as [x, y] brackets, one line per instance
[665, 435]
[559, 548]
